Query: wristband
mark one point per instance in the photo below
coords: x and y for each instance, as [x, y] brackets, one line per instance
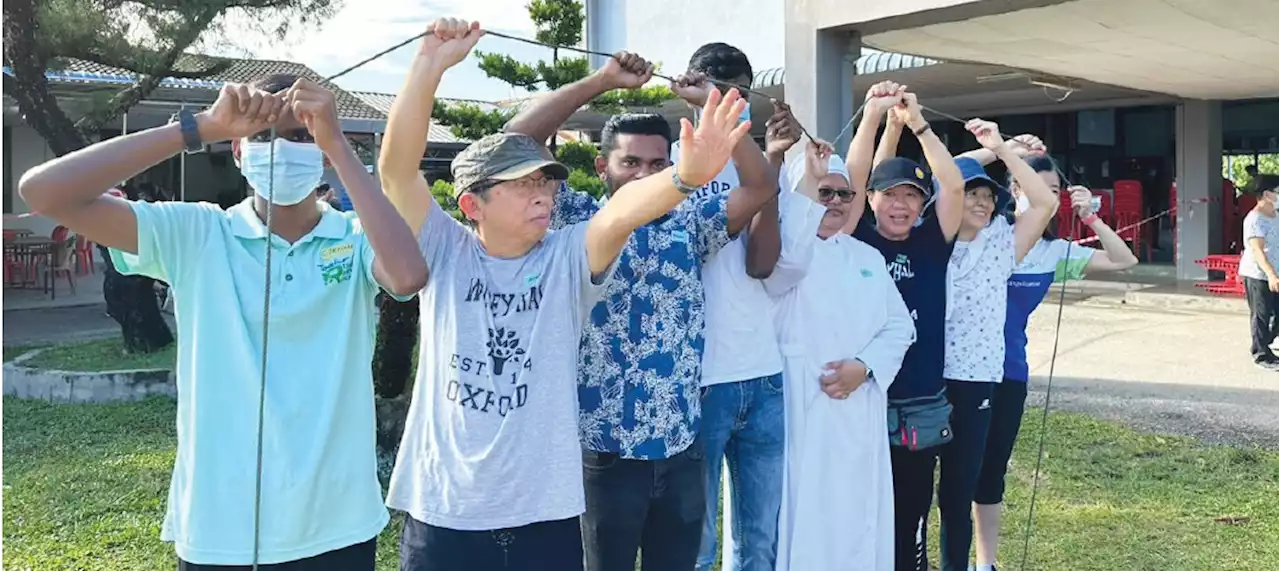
[925, 129]
[1090, 219]
[190, 133]
[681, 186]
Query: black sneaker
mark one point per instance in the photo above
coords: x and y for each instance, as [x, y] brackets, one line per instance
[1272, 364]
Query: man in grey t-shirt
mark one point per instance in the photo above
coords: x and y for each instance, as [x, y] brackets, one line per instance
[489, 466]
[1259, 264]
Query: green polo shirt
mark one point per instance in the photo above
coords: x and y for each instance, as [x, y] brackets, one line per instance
[320, 490]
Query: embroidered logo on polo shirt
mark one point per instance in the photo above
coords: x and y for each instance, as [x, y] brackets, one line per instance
[337, 262]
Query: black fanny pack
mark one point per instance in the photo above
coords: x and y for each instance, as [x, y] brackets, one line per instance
[920, 423]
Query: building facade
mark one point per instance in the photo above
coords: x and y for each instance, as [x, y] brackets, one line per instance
[1145, 90]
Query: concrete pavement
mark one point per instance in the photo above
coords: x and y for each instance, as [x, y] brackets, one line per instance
[1166, 370]
[59, 324]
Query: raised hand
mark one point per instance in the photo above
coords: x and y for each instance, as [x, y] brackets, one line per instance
[817, 159]
[895, 117]
[883, 96]
[692, 87]
[314, 106]
[449, 40]
[1027, 145]
[1081, 201]
[704, 151]
[781, 131]
[909, 110]
[987, 133]
[239, 111]
[842, 378]
[626, 70]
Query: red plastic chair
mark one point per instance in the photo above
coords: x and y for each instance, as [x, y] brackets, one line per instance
[84, 256]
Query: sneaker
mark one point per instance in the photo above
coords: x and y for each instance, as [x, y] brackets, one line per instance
[1268, 364]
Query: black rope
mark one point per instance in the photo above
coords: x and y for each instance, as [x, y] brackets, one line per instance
[262, 386]
[1044, 418]
[364, 61]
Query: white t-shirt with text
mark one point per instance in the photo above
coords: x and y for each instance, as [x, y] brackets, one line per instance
[491, 440]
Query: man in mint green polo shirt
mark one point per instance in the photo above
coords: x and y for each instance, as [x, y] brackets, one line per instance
[321, 504]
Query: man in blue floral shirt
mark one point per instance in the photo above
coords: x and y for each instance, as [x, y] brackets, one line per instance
[640, 359]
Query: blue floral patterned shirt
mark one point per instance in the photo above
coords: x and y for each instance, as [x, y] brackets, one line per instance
[640, 361]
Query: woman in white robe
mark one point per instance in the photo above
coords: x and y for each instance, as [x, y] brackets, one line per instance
[843, 329]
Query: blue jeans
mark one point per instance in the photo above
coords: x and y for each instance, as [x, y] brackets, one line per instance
[744, 423]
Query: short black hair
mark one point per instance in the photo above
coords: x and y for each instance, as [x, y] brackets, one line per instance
[274, 83]
[633, 124]
[1266, 182]
[1251, 169]
[1040, 163]
[1043, 163]
[721, 61]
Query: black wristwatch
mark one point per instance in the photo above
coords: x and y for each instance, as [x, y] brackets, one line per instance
[190, 132]
[922, 130]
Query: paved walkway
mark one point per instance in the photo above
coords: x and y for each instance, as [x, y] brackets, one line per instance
[1178, 372]
[59, 324]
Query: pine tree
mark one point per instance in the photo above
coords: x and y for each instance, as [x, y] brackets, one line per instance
[561, 23]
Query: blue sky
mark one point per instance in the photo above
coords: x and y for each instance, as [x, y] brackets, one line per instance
[365, 27]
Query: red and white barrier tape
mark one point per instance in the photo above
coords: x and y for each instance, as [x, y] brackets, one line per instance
[1139, 223]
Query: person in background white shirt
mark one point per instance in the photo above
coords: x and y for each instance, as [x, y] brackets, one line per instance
[843, 329]
[1258, 267]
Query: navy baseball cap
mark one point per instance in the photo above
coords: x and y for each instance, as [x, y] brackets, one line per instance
[974, 176]
[899, 171]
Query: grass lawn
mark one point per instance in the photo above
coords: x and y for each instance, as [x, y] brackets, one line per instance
[98, 355]
[85, 485]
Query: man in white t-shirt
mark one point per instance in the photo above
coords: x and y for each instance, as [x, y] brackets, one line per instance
[742, 402]
[1258, 266]
[489, 468]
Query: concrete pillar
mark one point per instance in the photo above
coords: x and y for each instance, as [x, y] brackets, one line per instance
[819, 75]
[1199, 175]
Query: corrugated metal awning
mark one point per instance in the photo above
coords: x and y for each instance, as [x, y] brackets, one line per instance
[871, 61]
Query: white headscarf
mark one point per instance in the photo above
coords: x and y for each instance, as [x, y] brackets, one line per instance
[792, 172]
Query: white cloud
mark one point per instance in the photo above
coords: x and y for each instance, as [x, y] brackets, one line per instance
[365, 27]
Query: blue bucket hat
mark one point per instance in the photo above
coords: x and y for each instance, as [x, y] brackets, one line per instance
[974, 175]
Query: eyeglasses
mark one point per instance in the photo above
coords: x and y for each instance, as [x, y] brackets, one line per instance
[523, 187]
[299, 135]
[826, 194]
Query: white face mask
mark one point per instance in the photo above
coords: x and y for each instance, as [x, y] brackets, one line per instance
[1023, 204]
[297, 170]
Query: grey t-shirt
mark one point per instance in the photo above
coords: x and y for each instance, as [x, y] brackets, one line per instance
[491, 440]
[1265, 227]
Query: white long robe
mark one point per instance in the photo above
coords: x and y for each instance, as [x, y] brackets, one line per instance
[835, 300]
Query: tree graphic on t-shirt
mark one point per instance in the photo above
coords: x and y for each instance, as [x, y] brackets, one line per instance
[503, 345]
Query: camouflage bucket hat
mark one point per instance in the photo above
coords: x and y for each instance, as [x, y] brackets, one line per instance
[503, 156]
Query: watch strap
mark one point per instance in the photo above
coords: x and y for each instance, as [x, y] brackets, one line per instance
[190, 132]
[925, 129]
[684, 189]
